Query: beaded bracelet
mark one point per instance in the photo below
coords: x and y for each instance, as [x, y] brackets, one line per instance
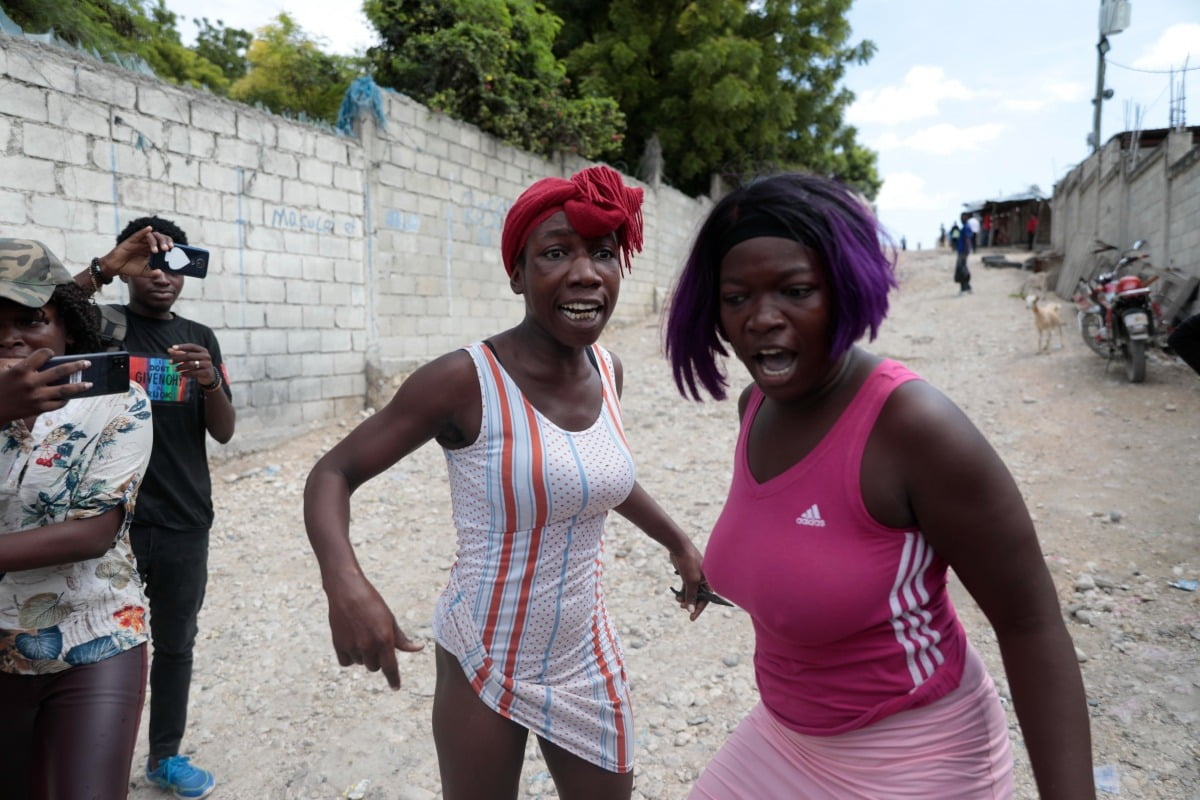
[209, 388]
[96, 273]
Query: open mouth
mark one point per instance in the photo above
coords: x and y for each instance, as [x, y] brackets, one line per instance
[774, 362]
[581, 312]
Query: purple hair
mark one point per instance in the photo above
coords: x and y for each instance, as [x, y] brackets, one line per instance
[821, 214]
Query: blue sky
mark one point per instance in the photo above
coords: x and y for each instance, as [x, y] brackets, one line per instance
[967, 101]
[963, 101]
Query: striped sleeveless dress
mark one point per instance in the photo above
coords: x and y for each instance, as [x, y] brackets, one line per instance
[524, 608]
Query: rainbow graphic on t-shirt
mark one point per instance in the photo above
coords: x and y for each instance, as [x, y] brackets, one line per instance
[160, 378]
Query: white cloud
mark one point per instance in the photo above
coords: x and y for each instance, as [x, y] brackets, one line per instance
[1048, 94]
[905, 191]
[941, 139]
[1173, 47]
[918, 96]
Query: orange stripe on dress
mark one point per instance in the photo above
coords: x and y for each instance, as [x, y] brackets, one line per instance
[479, 680]
[510, 505]
[541, 513]
[609, 389]
[481, 675]
[610, 687]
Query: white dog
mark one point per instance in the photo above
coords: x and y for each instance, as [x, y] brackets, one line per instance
[1048, 318]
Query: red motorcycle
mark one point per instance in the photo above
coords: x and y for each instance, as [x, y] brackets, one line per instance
[1116, 314]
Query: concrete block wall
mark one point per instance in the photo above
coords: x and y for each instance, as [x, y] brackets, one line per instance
[1183, 207]
[1146, 209]
[338, 263]
[1118, 199]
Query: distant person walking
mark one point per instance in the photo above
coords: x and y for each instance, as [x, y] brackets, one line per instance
[962, 274]
[942, 236]
[1031, 229]
[972, 225]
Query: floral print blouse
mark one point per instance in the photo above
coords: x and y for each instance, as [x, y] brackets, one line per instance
[78, 462]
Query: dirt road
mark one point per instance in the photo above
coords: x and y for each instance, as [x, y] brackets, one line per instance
[1109, 470]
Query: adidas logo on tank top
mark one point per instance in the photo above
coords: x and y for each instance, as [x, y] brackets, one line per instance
[811, 517]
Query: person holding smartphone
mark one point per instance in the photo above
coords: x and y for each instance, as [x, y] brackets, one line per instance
[178, 362]
[27, 388]
[73, 617]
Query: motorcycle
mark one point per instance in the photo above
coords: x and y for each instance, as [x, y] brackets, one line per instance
[1115, 312]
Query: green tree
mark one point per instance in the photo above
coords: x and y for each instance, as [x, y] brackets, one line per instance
[138, 28]
[729, 87]
[226, 47]
[289, 73]
[491, 63]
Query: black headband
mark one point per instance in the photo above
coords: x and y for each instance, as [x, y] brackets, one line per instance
[751, 226]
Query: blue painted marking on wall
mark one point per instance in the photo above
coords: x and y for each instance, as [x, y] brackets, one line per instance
[483, 219]
[310, 222]
[405, 221]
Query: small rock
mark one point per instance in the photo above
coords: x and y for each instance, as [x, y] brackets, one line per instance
[358, 791]
[416, 793]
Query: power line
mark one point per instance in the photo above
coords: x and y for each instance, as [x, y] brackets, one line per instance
[1153, 71]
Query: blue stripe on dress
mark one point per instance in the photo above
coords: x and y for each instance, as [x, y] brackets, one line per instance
[493, 420]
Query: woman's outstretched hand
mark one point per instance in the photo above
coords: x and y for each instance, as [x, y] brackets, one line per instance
[365, 631]
[687, 564]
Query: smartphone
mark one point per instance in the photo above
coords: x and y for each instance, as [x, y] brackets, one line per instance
[109, 372]
[181, 259]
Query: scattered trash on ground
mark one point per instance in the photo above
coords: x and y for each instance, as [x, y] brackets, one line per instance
[1107, 779]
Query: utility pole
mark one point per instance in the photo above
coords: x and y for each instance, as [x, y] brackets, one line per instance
[1114, 18]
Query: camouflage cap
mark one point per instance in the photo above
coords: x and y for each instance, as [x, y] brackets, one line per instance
[29, 272]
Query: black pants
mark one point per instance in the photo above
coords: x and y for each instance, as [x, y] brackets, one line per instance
[72, 734]
[174, 566]
[962, 274]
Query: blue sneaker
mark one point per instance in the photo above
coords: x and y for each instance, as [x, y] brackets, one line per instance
[176, 774]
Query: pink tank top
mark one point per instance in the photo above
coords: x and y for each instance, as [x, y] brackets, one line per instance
[852, 619]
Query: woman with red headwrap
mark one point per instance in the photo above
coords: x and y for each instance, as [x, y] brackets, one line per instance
[531, 427]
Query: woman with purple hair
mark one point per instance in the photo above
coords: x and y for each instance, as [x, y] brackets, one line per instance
[856, 486]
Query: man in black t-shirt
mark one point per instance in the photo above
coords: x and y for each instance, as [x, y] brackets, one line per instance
[178, 362]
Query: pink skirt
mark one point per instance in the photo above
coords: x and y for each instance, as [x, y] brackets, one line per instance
[955, 747]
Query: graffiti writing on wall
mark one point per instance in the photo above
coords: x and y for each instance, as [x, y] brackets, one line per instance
[483, 219]
[402, 221]
[310, 222]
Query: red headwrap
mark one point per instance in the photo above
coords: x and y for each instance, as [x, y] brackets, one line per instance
[596, 201]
